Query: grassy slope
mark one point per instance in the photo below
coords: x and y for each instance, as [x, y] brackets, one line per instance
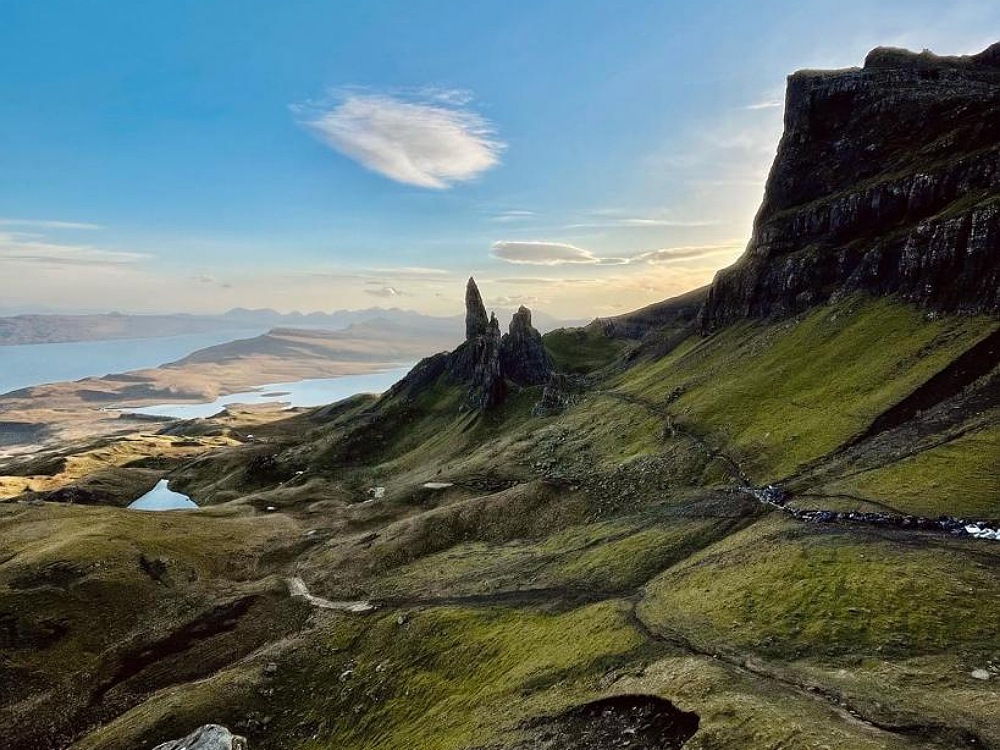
[582, 350]
[959, 477]
[779, 395]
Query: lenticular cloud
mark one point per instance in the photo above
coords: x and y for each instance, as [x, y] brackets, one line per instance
[432, 140]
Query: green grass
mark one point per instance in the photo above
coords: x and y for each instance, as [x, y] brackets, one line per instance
[447, 678]
[789, 590]
[958, 478]
[781, 394]
[581, 350]
[613, 556]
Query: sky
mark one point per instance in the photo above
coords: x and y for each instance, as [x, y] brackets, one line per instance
[583, 158]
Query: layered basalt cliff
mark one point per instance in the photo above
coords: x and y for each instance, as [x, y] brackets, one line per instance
[886, 180]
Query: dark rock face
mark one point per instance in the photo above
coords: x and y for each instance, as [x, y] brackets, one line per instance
[476, 322]
[887, 180]
[522, 354]
[488, 362]
[478, 362]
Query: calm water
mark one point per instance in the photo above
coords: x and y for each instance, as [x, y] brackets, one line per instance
[161, 497]
[314, 392]
[34, 364]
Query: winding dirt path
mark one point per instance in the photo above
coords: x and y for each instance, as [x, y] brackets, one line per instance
[297, 589]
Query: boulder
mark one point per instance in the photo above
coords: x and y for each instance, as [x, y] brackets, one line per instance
[208, 737]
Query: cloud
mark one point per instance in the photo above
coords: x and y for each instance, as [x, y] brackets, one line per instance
[40, 224]
[557, 253]
[674, 254]
[28, 249]
[640, 221]
[766, 104]
[514, 301]
[513, 215]
[427, 138]
[539, 253]
[386, 292]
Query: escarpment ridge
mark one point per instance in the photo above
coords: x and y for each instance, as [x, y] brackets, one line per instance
[887, 181]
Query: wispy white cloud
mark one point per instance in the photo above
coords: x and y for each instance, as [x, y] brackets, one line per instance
[640, 222]
[770, 103]
[688, 252]
[29, 249]
[386, 292]
[43, 224]
[428, 138]
[539, 253]
[514, 215]
[514, 300]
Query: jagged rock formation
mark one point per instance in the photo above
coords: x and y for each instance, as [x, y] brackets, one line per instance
[523, 358]
[486, 361]
[555, 396]
[476, 322]
[887, 180]
[480, 365]
[208, 737]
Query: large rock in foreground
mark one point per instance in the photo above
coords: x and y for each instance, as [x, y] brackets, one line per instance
[887, 180]
[208, 737]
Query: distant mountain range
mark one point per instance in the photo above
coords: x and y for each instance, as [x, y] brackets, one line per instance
[54, 328]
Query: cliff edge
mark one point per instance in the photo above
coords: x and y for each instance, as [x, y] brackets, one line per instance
[886, 180]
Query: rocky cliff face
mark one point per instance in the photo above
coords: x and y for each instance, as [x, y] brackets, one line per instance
[887, 180]
[523, 358]
[476, 322]
[487, 361]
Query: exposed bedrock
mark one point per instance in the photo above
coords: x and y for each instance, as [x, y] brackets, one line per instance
[886, 180]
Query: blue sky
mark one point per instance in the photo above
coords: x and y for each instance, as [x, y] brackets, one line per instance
[581, 157]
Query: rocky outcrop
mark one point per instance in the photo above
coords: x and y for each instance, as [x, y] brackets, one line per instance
[477, 362]
[487, 363]
[555, 396]
[886, 180]
[523, 358]
[208, 737]
[476, 322]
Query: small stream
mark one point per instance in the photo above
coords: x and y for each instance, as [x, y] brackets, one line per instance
[778, 498]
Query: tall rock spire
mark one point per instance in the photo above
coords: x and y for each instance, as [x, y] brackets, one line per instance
[476, 321]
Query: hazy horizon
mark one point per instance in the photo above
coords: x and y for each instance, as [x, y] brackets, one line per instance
[576, 158]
